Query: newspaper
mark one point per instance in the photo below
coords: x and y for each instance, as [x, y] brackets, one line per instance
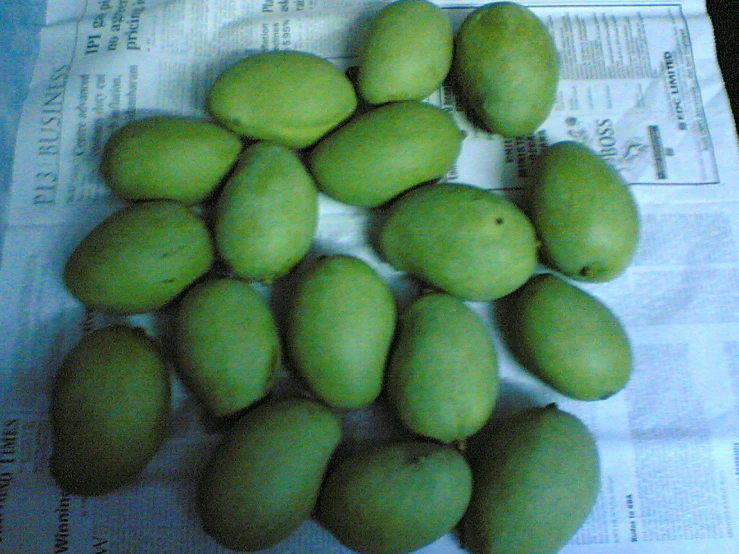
[640, 85]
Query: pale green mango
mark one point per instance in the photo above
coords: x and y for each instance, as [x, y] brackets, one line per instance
[394, 498]
[536, 478]
[584, 213]
[110, 410]
[339, 330]
[506, 68]
[167, 157]
[140, 258]
[286, 96]
[267, 214]
[442, 377]
[466, 241]
[569, 339]
[407, 52]
[227, 345]
[263, 480]
[386, 151]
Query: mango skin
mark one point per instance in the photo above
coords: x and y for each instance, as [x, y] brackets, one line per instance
[267, 213]
[384, 152]
[442, 378]
[583, 212]
[396, 497]
[110, 410]
[140, 258]
[466, 241]
[407, 53]
[289, 97]
[262, 481]
[339, 330]
[506, 68]
[165, 157]
[569, 339]
[536, 478]
[227, 345]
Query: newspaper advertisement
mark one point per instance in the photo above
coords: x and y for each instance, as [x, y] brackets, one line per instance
[639, 84]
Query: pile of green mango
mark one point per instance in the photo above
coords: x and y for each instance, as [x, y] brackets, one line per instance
[215, 206]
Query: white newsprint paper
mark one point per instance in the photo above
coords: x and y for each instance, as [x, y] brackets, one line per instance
[640, 85]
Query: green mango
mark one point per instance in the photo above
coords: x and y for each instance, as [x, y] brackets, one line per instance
[407, 52]
[110, 410]
[227, 345]
[140, 258]
[506, 68]
[285, 96]
[339, 329]
[267, 214]
[569, 339]
[394, 498]
[466, 241]
[168, 157]
[442, 377]
[536, 478]
[385, 151]
[262, 481]
[584, 213]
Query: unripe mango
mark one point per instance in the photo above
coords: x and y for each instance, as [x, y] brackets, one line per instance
[395, 498]
[583, 212]
[569, 338]
[227, 345]
[140, 258]
[286, 96]
[263, 480]
[536, 478]
[506, 68]
[267, 214]
[110, 410]
[442, 378]
[407, 52]
[166, 157]
[466, 241]
[384, 152]
[339, 330]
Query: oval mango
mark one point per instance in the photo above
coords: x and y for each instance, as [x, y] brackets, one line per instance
[110, 410]
[165, 157]
[339, 330]
[287, 96]
[569, 339]
[384, 152]
[396, 497]
[506, 68]
[267, 213]
[583, 212]
[227, 345]
[140, 258]
[262, 481]
[466, 241]
[442, 377]
[407, 53]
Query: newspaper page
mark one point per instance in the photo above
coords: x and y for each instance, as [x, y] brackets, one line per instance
[639, 84]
